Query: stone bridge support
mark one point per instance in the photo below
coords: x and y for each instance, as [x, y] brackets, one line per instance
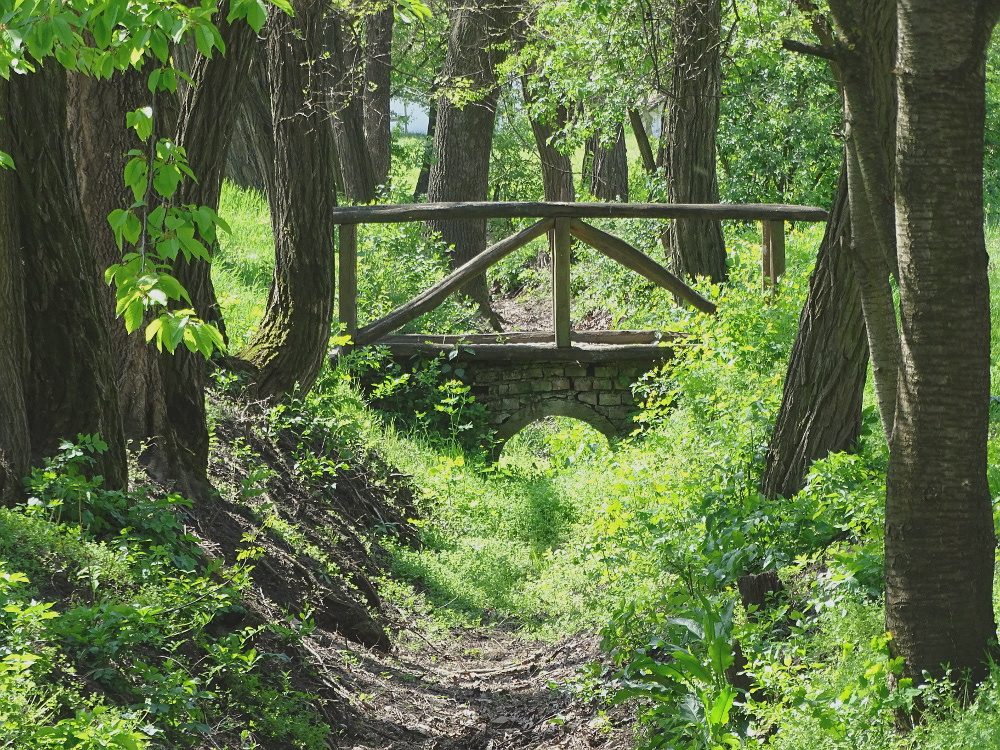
[520, 378]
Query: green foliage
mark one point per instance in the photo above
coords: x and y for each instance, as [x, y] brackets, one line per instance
[97, 40]
[780, 112]
[686, 680]
[427, 396]
[135, 632]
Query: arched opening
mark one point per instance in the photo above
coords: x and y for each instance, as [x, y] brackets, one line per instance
[552, 408]
[551, 444]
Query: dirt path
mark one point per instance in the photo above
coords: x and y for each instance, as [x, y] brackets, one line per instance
[478, 689]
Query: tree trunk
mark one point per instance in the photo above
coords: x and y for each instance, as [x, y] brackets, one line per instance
[346, 102]
[609, 169]
[423, 179]
[377, 91]
[14, 446]
[205, 126]
[821, 404]
[291, 342]
[939, 539]
[100, 140]
[690, 125]
[866, 32]
[251, 152]
[71, 388]
[557, 169]
[461, 172]
[642, 141]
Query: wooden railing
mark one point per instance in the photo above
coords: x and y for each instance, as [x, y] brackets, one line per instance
[564, 221]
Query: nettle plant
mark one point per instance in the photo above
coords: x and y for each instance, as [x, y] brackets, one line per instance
[97, 38]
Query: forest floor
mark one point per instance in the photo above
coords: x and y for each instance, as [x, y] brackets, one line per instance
[480, 688]
[381, 676]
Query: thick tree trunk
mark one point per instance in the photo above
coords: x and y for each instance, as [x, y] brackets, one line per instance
[821, 404]
[609, 169]
[71, 388]
[377, 92]
[939, 539]
[289, 347]
[14, 445]
[461, 172]
[100, 141]
[690, 125]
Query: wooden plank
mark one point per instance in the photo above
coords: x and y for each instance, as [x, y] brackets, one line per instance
[510, 210]
[621, 337]
[777, 249]
[560, 282]
[547, 352]
[622, 252]
[347, 277]
[431, 298]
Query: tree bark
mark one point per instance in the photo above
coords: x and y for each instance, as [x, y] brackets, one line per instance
[820, 409]
[939, 537]
[346, 103]
[251, 152]
[689, 137]
[642, 141]
[377, 91]
[14, 445]
[866, 33]
[557, 169]
[289, 347]
[71, 388]
[205, 127]
[424, 178]
[100, 140]
[461, 172]
[609, 169]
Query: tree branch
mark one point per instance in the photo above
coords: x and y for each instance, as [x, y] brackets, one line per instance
[816, 50]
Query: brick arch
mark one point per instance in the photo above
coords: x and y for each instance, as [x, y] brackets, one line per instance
[520, 379]
[554, 408]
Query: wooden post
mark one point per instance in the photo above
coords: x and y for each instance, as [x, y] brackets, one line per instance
[347, 273]
[560, 283]
[773, 251]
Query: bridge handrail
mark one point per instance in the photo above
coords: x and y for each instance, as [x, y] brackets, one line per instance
[388, 214]
[562, 220]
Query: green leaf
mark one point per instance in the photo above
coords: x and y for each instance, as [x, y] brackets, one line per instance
[135, 176]
[160, 45]
[154, 329]
[133, 314]
[719, 715]
[205, 40]
[141, 120]
[690, 665]
[6, 162]
[166, 179]
[256, 15]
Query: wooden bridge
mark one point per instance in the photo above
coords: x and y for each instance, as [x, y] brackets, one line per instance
[521, 377]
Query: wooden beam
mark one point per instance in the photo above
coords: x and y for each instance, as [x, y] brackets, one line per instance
[560, 282]
[505, 210]
[347, 277]
[773, 251]
[540, 352]
[431, 298]
[619, 250]
[620, 337]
